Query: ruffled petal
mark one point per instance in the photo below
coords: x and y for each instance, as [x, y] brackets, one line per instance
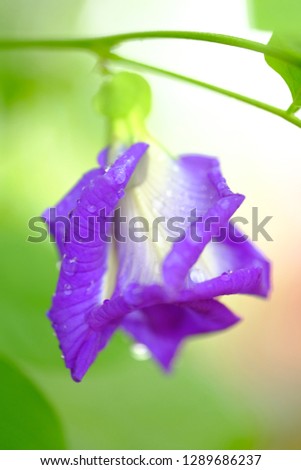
[163, 327]
[239, 256]
[185, 252]
[80, 285]
[242, 281]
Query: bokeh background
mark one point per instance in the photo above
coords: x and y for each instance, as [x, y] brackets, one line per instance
[233, 390]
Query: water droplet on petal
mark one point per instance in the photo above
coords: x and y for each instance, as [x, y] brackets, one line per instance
[90, 287]
[130, 160]
[196, 275]
[222, 185]
[67, 289]
[91, 208]
[69, 266]
[158, 205]
[140, 352]
[224, 203]
[134, 294]
[120, 175]
[226, 276]
[62, 356]
[121, 193]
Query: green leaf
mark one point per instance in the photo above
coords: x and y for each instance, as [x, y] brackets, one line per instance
[276, 15]
[27, 421]
[290, 73]
[123, 94]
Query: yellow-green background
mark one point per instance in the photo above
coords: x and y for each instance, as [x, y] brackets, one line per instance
[238, 389]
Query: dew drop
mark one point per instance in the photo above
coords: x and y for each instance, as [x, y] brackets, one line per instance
[222, 185]
[69, 266]
[91, 208]
[134, 294]
[121, 193]
[120, 175]
[158, 205]
[90, 287]
[226, 276]
[196, 275]
[67, 289]
[130, 160]
[140, 352]
[224, 203]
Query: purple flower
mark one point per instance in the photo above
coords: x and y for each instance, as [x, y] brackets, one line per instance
[159, 292]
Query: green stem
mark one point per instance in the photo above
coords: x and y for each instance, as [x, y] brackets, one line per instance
[106, 42]
[45, 43]
[258, 104]
[287, 56]
[293, 108]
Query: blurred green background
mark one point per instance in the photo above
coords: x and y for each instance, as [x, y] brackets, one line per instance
[235, 390]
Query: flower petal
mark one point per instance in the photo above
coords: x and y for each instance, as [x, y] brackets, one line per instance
[185, 252]
[163, 327]
[242, 281]
[80, 285]
[67, 204]
[231, 255]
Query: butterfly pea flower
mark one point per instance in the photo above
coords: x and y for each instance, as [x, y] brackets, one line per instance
[162, 290]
